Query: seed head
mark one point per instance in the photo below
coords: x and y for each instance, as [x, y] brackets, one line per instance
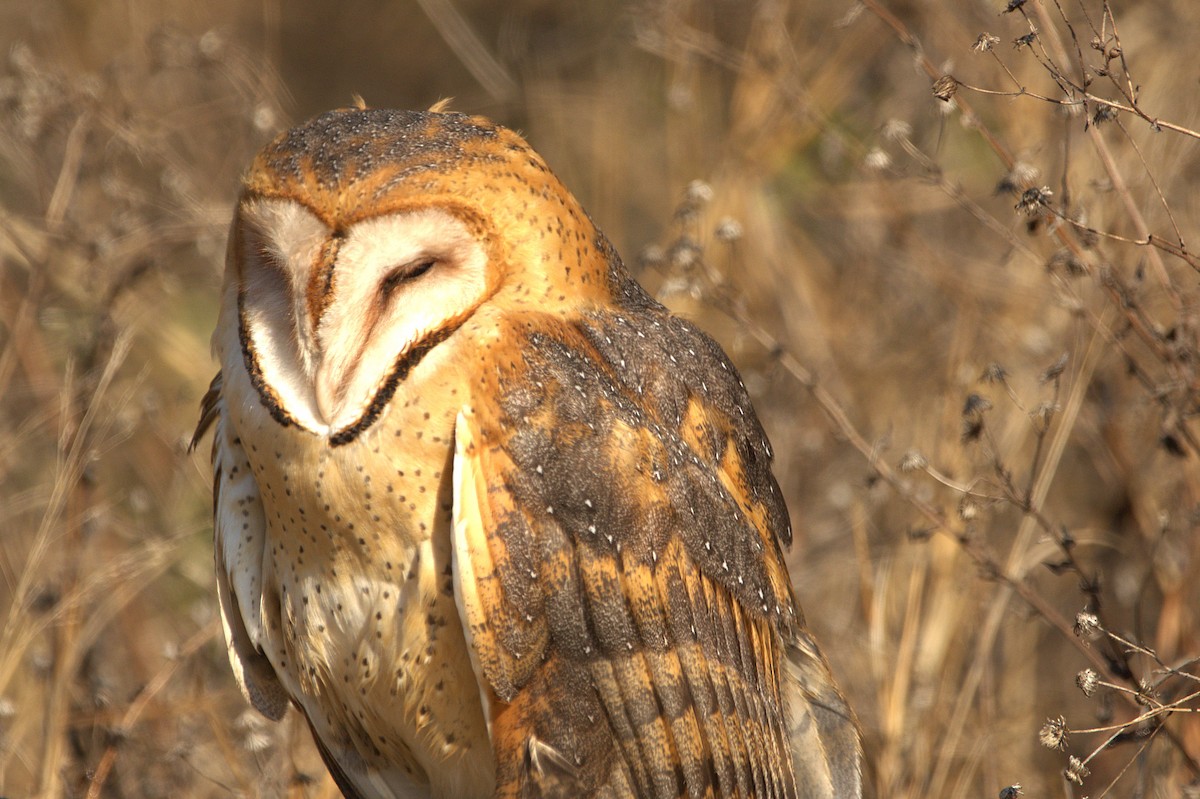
[653, 255]
[968, 509]
[1076, 771]
[1068, 262]
[264, 118]
[1146, 694]
[698, 192]
[994, 373]
[945, 87]
[684, 253]
[1088, 681]
[1018, 178]
[1024, 172]
[976, 403]
[1087, 625]
[1053, 734]
[920, 533]
[1033, 199]
[895, 129]
[972, 416]
[211, 44]
[1104, 113]
[985, 43]
[1043, 415]
[729, 229]
[913, 461]
[877, 160]
[256, 741]
[1055, 370]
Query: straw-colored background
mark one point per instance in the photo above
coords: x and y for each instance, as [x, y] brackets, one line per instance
[870, 269]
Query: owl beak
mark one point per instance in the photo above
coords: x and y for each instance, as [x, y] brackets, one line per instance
[328, 380]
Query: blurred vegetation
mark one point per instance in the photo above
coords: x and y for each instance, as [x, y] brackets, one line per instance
[947, 244]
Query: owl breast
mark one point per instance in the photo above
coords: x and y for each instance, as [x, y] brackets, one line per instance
[359, 618]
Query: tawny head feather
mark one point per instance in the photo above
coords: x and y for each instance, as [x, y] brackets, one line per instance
[363, 236]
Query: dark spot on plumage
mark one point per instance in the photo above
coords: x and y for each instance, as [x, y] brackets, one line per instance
[340, 146]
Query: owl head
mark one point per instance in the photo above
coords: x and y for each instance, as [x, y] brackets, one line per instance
[363, 238]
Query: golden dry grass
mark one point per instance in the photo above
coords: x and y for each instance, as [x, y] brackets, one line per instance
[983, 414]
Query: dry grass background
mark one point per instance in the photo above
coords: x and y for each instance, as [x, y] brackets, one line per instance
[983, 414]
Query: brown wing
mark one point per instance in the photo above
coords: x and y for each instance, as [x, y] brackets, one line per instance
[619, 572]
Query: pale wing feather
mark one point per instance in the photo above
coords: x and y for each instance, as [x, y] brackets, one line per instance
[469, 553]
[239, 530]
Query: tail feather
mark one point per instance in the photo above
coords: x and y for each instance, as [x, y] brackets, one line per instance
[826, 752]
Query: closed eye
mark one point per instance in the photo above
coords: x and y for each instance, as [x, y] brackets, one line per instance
[403, 274]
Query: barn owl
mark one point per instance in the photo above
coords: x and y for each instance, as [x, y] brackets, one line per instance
[492, 518]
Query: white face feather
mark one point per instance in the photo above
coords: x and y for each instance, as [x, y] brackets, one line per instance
[396, 279]
[280, 245]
